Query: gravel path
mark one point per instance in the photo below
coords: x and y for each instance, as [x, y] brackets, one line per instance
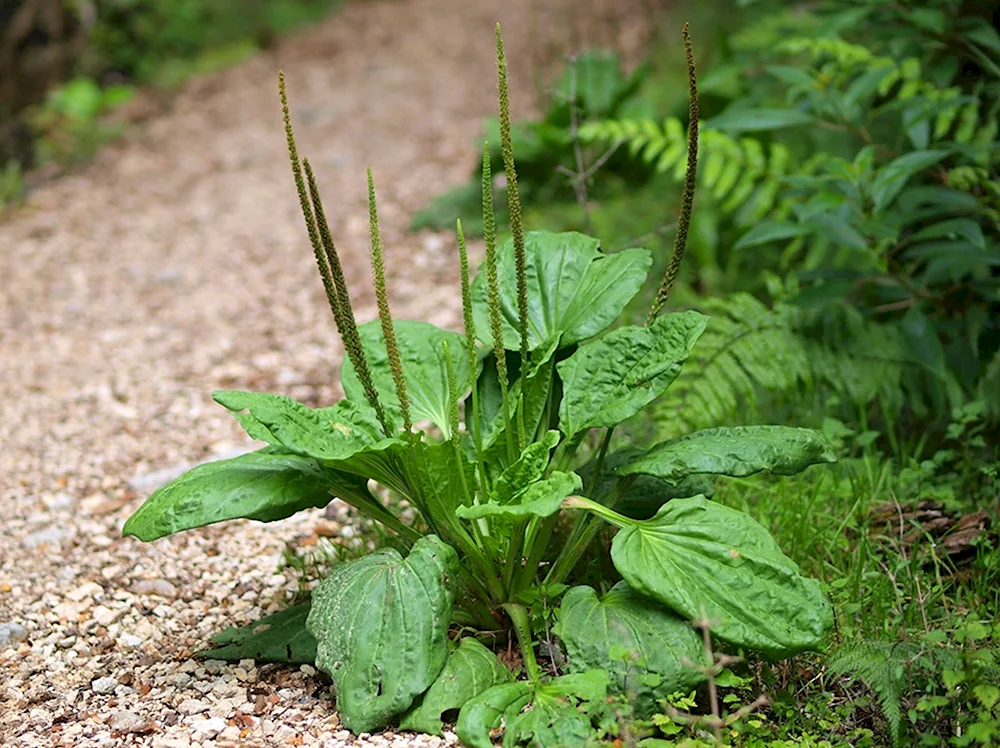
[175, 263]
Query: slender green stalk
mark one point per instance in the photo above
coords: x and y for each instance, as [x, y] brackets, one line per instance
[384, 315]
[687, 196]
[586, 528]
[453, 419]
[522, 628]
[343, 313]
[516, 224]
[601, 452]
[515, 554]
[306, 205]
[328, 261]
[537, 545]
[493, 296]
[470, 349]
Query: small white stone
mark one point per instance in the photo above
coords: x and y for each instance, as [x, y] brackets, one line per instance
[130, 641]
[232, 732]
[209, 728]
[104, 685]
[192, 706]
[106, 616]
[125, 721]
[85, 590]
[160, 587]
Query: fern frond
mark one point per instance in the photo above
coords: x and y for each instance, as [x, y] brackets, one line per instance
[882, 667]
[750, 349]
[733, 170]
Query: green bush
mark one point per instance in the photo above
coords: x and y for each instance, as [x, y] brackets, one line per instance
[858, 161]
[160, 40]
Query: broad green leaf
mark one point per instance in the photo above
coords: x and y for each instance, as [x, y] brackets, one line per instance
[559, 713]
[425, 369]
[480, 716]
[527, 469]
[772, 231]
[435, 475]
[610, 379]
[645, 494]
[334, 434]
[541, 499]
[470, 670]
[753, 120]
[647, 650]
[892, 178]
[265, 485]
[381, 626]
[279, 637]
[737, 451]
[346, 437]
[706, 560]
[574, 290]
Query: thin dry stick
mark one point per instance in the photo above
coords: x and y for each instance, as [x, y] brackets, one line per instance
[687, 196]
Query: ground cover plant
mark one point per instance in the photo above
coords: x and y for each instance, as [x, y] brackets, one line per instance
[498, 437]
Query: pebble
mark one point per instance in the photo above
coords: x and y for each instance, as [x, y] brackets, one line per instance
[130, 641]
[12, 633]
[106, 616]
[83, 591]
[48, 536]
[209, 728]
[192, 706]
[104, 685]
[126, 721]
[160, 587]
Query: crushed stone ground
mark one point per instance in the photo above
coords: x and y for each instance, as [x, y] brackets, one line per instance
[176, 263]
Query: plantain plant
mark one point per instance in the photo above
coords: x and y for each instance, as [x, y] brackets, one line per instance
[499, 438]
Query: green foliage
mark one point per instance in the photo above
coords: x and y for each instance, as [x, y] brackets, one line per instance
[862, 166]
[71, 124]
[594, 85]
[491, 535]
[381, 625]
[163, 41]
[648, 652]
[279, 637]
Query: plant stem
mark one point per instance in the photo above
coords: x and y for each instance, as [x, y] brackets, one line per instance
[601, 452]
[586, 528]
[522, 628]
[516, 227]
[515, 553]
[537, 546]
[470, 349]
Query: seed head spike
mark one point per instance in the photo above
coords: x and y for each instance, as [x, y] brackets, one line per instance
[382, 298]
[687, 196]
